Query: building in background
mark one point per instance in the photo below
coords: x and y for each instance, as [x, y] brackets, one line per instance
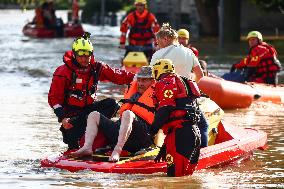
[179, 13]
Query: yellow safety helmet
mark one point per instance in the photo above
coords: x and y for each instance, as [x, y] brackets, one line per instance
[140, 2]
[183, 33]
[256, 34]
[83, 45]
[162, 66]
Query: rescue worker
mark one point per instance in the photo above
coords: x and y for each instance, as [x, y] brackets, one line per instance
[142, 26]
[183, 39]
[131, 131]
[38, 19]
[184, 59]
[185, 63]
[261, 64]
[177, 115]
[72, 93]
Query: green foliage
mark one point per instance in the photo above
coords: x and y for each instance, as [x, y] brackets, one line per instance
[270, 5]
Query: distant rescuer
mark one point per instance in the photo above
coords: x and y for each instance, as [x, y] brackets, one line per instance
[142, 26]
[261, 64]
[183, 39]
[72, 93]
[177, 115]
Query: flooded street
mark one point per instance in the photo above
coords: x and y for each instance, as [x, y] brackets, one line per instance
[29, 130]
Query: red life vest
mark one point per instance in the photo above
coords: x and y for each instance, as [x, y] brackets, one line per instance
[268, 64]
[143, 106]
[83, 83]
[185, 92]
[141, 33]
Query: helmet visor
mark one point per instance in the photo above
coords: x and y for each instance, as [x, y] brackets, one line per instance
[83, 53]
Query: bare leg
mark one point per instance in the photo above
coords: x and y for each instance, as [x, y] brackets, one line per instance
[91, 133]
[124, 132]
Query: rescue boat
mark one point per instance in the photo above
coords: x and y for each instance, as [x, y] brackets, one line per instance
[70, 30]
[135, 58]
[233, 95]
[227, 143]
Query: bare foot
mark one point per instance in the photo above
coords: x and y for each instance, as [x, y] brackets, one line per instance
[82, 152]
[115, 155]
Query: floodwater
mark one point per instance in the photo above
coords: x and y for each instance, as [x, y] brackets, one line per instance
[29, 131]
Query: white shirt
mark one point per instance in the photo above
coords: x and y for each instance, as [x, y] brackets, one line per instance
[183, 58]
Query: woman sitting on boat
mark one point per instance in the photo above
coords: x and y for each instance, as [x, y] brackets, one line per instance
[261, 64]
[131, 131]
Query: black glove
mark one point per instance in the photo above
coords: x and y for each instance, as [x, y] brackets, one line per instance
[233, 68]
[59, 112]
[161, 155]
[161, 117]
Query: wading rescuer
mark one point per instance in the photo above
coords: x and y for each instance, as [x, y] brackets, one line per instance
[131, 131]
[142, 26]
[261, 64]
[72, 93]
[177, 115]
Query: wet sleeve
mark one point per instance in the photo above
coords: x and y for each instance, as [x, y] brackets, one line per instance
[115, 75]
[161, 117]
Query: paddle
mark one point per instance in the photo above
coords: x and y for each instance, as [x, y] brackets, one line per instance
[150, 153]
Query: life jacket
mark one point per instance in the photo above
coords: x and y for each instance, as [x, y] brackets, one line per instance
[187, 108]
[143, 106]
[141, 31]
[268, 65]
[39, 21]
[83, 84]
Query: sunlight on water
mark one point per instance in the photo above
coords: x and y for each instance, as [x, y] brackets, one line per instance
[29, 129]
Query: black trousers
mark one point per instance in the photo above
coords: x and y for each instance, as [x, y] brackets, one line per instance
[108, 107]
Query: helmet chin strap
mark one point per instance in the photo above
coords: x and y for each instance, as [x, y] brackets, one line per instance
[87, 35]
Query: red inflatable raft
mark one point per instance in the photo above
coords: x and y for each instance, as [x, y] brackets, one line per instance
[70, 30]
[231, 143]
[232, 95]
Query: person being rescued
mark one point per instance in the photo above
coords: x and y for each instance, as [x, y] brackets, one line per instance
[261, 64]
[131, 131]
[72, 93]
[142, 26]
[177, 115]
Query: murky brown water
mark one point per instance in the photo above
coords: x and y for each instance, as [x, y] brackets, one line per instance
[29, 131]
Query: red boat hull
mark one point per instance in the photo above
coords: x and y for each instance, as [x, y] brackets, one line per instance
[231, 143]
[70, 30]
[232, 95]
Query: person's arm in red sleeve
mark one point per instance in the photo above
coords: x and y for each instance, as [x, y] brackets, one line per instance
[243, 63]
[165, 93]
[115, 75]
[123, 29]
[154, 23]
[155, 27]
[56, 93]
